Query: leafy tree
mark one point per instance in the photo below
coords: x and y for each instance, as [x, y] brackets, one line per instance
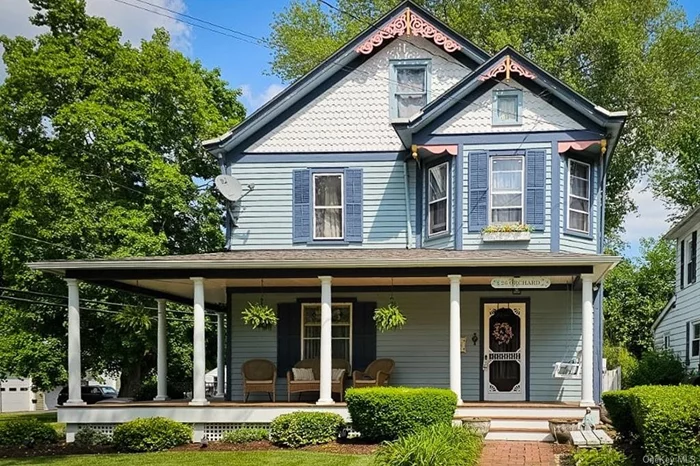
[99, 157]
[632, 55]
[636, 290]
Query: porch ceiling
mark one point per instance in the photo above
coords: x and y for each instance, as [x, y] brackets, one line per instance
[169, 276]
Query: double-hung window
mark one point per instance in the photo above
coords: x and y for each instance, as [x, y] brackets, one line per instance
[341, 331]
[410, 87]
[667, 341]
[507, 181]
[438, 202]
[328, 205]
[695, 340]
[579, 202]
[691, 253]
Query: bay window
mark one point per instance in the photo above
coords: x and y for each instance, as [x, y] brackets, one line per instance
[579, 199]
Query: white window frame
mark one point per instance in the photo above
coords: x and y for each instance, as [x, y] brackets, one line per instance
[446, 199]
[688, 241]
[571, 195]
[316, 207]
[417, 64]
[693, 338]
[304, 325]
[521, 192]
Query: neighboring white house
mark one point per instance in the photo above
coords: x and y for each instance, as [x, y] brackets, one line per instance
[16, 395]
[678, 326]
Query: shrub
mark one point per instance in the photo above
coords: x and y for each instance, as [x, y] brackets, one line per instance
[618, 356]
[619, 407]
[387, 413]
[245, 435]
[659, 368]
[667, 419]
[606, 456]
[89, 437]
[151, 434]
[305, 428]
[439, 444]
[27, 433]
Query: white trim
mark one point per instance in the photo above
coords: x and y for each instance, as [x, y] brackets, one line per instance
[314, 207]
[569, 195]
[694, 338]
[318, 304]
[446, 199]
[491, 191]
[669, 305]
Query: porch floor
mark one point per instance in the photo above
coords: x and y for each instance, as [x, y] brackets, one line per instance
[306, 404]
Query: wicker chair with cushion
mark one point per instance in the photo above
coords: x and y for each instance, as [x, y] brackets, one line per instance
[259, 375]
[376, 375]
[313, 384]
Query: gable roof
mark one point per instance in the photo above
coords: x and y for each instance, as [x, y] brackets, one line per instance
[395, 23]
[508, 60]
[671, 304]
[685, 225]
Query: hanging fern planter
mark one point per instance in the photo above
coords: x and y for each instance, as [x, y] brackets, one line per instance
[389, 317]
[259, 316]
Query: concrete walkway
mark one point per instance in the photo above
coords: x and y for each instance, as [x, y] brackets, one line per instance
[500, 453]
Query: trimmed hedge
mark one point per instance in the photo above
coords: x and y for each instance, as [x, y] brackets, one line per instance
[606, 456]
[245, 435]
[667, 418]
[89, 437]
[27, 433]
[619, 406]
[439, 444]
[150, 434]
[387, 413]
[302, 428]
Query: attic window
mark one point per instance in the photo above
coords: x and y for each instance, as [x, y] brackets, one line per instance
[507, 107]
[410, 87]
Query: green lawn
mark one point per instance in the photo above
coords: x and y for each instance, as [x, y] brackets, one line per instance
[43, 416]
[203, 458]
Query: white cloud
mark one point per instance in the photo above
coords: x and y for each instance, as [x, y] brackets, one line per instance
[135, 24]
[650, 219]
[253, 100]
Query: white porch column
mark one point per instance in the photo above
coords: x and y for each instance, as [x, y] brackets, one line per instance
[199, 397]
[455, 335]
[325, 396]
[162, 366]
[74, 372]
[587, 343]
[220, 373]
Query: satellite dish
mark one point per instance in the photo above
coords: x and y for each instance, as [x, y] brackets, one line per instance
[229, 187]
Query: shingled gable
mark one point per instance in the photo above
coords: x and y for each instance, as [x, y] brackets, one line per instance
[509, 64]
[407, 19]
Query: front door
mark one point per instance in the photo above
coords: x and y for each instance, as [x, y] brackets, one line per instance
[504, 362]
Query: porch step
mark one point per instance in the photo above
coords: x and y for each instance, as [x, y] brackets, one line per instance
[520, 434]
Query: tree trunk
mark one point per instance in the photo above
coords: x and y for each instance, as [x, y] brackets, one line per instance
[130, 380]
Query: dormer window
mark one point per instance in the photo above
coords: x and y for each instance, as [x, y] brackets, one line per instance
[507, 107]
[410, 87]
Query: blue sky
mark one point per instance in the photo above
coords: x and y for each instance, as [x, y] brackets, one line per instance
[245, 65]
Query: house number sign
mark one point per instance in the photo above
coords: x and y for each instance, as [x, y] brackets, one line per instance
[521, 282]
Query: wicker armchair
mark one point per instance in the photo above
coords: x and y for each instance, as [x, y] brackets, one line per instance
[259, 375]
[376, 374]
[301, 386]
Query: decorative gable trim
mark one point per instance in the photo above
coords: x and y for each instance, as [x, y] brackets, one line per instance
[406, 24]
[507, 65]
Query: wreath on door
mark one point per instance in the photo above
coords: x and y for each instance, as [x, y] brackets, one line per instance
[502, 333]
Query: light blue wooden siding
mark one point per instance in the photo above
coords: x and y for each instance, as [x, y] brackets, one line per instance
[446, 240]
[421, 348]
[540, 240]
[687, 310]
[265, 213]
[573, 243]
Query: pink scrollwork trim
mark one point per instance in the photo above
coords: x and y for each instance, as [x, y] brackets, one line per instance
[508, 66]
[408, 23]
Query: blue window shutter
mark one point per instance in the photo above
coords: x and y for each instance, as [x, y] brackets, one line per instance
[478, 191]
[301, 208]
[687, 344]
[364, 335]
[353, 205]
[534, 198]
[682, 241]
[288, 337]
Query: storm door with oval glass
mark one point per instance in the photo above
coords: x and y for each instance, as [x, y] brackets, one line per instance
[504, 362]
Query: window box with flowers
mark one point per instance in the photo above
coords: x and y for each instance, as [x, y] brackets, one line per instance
[506, 232]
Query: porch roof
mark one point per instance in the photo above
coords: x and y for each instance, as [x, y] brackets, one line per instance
[168, 277]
